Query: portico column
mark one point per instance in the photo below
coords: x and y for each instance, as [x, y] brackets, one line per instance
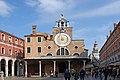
[25, 68]
[13, 69]
[84, 64]
[40, 68]
[54, 66]
[68, 65]
[0, 65]
[6, 69]
[18, 68]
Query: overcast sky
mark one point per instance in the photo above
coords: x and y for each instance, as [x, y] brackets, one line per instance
[91, 19]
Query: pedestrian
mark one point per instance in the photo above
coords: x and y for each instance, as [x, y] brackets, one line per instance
[76, 75]
[96, 73]
[114, 73]
[105, 71]
[82, 74]
[56, 73]
[67, 74]
[100, 74]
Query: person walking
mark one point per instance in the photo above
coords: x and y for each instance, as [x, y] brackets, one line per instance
[114, 73]
[82, 74]
[56, 73]
[76, 75]
[100, 73]
[67, 75]
[105, 71]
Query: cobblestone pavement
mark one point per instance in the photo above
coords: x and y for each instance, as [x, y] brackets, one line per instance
[47, 78]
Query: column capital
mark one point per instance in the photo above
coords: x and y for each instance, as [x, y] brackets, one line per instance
[68, 60]
[84, 60]
[54, 61]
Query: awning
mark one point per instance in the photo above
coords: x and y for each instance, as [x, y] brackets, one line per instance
[115, 63]
[89, 66]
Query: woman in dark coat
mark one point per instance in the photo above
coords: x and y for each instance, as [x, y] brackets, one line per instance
[82, 74]
[67, 75]
[76, 75]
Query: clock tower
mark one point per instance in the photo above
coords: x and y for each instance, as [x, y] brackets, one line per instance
[62, 32]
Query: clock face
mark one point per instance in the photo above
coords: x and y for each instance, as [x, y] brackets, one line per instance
[62, 39]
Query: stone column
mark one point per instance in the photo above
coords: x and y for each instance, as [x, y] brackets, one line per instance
[60, 24]
[69, 65]
[13, 69]
[60, 50]
[84, 64]
[0, 65]
[64, 51]
[25, 68]
[40, 68]
[6, 69]
[18, 68]
[54, 66]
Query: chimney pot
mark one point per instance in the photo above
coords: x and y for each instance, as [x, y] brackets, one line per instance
[34, 29]
[115, 25]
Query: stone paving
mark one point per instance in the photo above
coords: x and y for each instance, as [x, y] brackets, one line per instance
[47, 78]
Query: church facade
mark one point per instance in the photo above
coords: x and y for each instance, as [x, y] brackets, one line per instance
[47, 53]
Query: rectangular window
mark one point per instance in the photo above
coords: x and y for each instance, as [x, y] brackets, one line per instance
[28, 39]
[39, 39]
[10, 39]
[10, 51]
[3, 37]
[16, 41]
[21, 43]
[3, 50]
[28, 49]
[39, 49]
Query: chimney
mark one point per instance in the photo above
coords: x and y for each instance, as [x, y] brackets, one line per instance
[115, 25]
[34, 29]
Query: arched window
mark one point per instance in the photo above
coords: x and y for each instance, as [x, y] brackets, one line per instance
[75, 54]
[62, 51]
[49, 54]
[62, 24]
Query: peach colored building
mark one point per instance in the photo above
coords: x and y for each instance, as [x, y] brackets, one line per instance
[110, 51]
[11, 49]
[47, 53]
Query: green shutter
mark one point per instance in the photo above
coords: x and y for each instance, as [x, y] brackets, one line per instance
[28, 39]
[28, 49]
[39, 39]
[39, 49]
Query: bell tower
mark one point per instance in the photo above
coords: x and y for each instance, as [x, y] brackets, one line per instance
[62, 26]
[95, 50]
[62, 23]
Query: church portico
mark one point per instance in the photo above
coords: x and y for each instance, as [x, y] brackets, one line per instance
[46, 66]
[49, 53]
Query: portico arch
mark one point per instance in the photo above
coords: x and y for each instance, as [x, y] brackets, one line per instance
[3, 63]
[16, 66]
[10, 62]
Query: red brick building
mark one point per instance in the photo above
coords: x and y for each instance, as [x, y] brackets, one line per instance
[110, 51]
[11, 53]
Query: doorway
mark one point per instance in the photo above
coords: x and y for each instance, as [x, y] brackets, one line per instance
[62, 66]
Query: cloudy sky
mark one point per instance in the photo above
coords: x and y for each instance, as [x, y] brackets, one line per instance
[91, 19]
